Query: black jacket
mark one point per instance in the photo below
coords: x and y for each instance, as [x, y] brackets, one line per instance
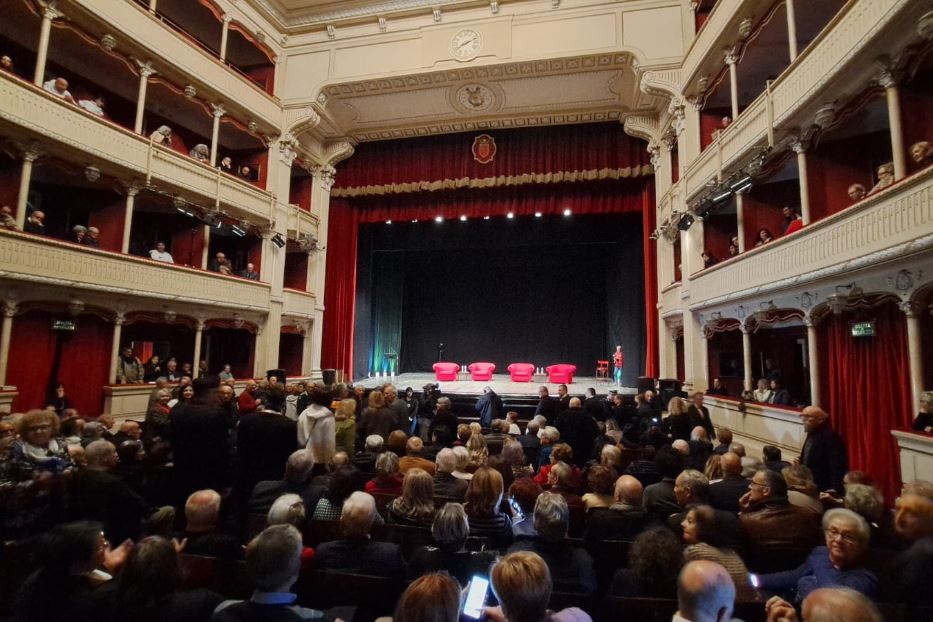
[360, 555]
[265, 440]
[199, 446]
[578, 430]
[824, 453]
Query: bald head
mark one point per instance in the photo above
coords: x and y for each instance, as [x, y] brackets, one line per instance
[681, 446]
[813, 417]
[838, 605]
[629, 490]
[575, 402]
[705, 592]
[731, 463]
[699, 434]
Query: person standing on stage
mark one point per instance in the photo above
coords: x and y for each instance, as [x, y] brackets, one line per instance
[619, 360]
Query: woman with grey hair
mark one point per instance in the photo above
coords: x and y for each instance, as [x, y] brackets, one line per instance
[838, 564]
[289, 509]
[450, 529]
[924, 421]
[463, 463]
[387, 480]
[162, 136]
[514, 455]
[200, 152]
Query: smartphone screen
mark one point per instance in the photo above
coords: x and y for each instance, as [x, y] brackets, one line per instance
[753, 579]
[476, 597]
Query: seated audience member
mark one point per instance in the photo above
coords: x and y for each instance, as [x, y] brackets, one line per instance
[289, 509]
[739, 450]
[828, 604]
[96, 493]
[479, 451]
[521, 582]
[717, 388]
[601, 482]
[498, 434]
[856, 192]
[6, 64]
[559, 453]
[726, 493]
[772, 458]
[924, 420]
[250, 272]
[561, 480]
[622, 520]
[700, 448]
[921, 152]
[71, 428]
[801, 490]
[162, 136]
[764, 236]
[415, 507]
[644, 469]
[654, 561]
[148, 587]
[763, 392]
[463, 463]
[202, 528]
[659, 499]
[908, 575]
[96, 106]
[705, 593]
[792, 220]
[248, 399]
[511, 418]
[514, 456]
[777, 534]
[713, 469]
[74, 562]
[274, 561]
[245, 172]
[692, 489]
[530, 442]
[838, 564]
[160, 254]
[611, 456]
[703, 537]
[779, 395]
[35, 223]
[571, 568]
[414, 447]
[6, 218]
[433, 597]
[446, 485]
[523, 493]
[59, 88]
[342, 483]
[226, 165]
[885, 177]
[450, 530]
[549, 437]
[483, 501]
[201, 153]
[725, 441]
[92, 238]
[77, 234]
[365, 460]
[388, 480]
[128, 431]
[356, 552]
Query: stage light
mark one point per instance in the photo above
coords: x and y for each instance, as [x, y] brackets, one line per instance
[212, 219]
[741, 183]
[537, 214]
[389, 222]
[237, 231]
[567, 211]
[510, 215]
[278, 240]
[485, 217]
[438, 218]
[414, 220]
[463, 218]
[685, 222]
[721, 195]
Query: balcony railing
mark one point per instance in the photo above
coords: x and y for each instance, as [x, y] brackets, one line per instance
[39, 260]
[298, 304]
[51, 119]
[891, 219]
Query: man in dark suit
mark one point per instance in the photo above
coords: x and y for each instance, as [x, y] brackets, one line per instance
[623, 520]
[823, 453]
[699, 415]
[547, 406]
[725, 494]
[356, 552]
[530, 441]
[595, 407]
[265, 440]
[578, 430]
[780, 395]
[563, 398]
[297, 477]
[199, 431]
[202, 528]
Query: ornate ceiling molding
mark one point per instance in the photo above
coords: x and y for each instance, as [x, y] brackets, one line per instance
[351, 11]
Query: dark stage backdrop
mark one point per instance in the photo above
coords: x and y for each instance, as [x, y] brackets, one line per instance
[539, 290]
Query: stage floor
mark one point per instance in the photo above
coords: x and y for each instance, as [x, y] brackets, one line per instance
[500, 383]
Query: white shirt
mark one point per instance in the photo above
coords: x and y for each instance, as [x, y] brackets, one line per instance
[91, 106]
[50, 87]
[161, 256]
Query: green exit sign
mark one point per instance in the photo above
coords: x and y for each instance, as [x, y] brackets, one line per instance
[863, 329]
[64, 324]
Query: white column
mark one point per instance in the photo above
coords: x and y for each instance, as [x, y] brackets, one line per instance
[746, 356]
[307, 348]
[118, 321]
[206, 250]
[740, 221]
[731, 60]
[223, 36]
[320, 203]
[9, 310]
[152, 5]
[800, 148]
[218, 111]
[813, 360]
[49, 12]
[145, 70]
[886, 80]
[132, 190]
[198, 334]
[791, 31]
[259, 363]
[30, 155]
[913, 310]
[678, 110]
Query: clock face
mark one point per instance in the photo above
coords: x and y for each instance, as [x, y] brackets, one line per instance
[465, 44]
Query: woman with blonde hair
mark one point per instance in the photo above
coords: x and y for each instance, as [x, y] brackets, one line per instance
[434, 597]
[415, 507]
[345, 425]
[483, 501]
[677, 421]
[713, 470]
[479, 452]
[522, 584]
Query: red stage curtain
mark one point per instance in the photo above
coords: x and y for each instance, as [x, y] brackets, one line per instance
[32, 346]
[340, 288]
[535, 150]
[86, 364]
[867, 390]
[651, 281]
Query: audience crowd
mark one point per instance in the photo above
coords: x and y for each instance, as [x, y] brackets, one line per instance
[592, 498]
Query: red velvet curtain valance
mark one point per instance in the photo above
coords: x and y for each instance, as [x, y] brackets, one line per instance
[542, 150]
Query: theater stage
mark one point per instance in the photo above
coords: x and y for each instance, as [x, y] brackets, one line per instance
[500, 383]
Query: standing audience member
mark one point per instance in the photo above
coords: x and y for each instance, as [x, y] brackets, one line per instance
[823, 452]
[317, 427]
[199, 432]
[265, 440]
[130, 369]
[345, 426]
[578, 429]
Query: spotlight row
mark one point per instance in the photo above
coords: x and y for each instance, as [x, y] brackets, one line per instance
[463, 217]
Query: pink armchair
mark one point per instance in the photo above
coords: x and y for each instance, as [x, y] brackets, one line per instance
[446, 371]
[561, 373]
[481, 371]
[521, 372]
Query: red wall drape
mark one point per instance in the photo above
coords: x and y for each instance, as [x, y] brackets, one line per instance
[867, 389]
[340, 288]
[291, 348]
[651, 281]
[85, 360]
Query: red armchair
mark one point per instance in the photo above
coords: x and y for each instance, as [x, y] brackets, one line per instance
[481, 371]
[561, 373]
[446, 371]
[521, 372]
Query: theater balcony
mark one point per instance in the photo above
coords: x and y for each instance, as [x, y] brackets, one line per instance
[32, 117]
[298, 304]
[36, 261]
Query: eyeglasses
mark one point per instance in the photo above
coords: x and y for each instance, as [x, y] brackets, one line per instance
[758, 485]
[834, 534]
[44, 427]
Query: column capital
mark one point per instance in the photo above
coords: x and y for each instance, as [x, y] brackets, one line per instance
[199, 324]
[679, 122]
[655, 157]
[132, 188]
[287, 153]
[218, 110]
[51, 12]
[227, 18]
[145, 68]
[9, 308]
[119, 318]
[810, 321]
[799, 145]
[746, 328]
[731, 57]
[325, 174]
[886, 79]
[31, 152]
[911, 308]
